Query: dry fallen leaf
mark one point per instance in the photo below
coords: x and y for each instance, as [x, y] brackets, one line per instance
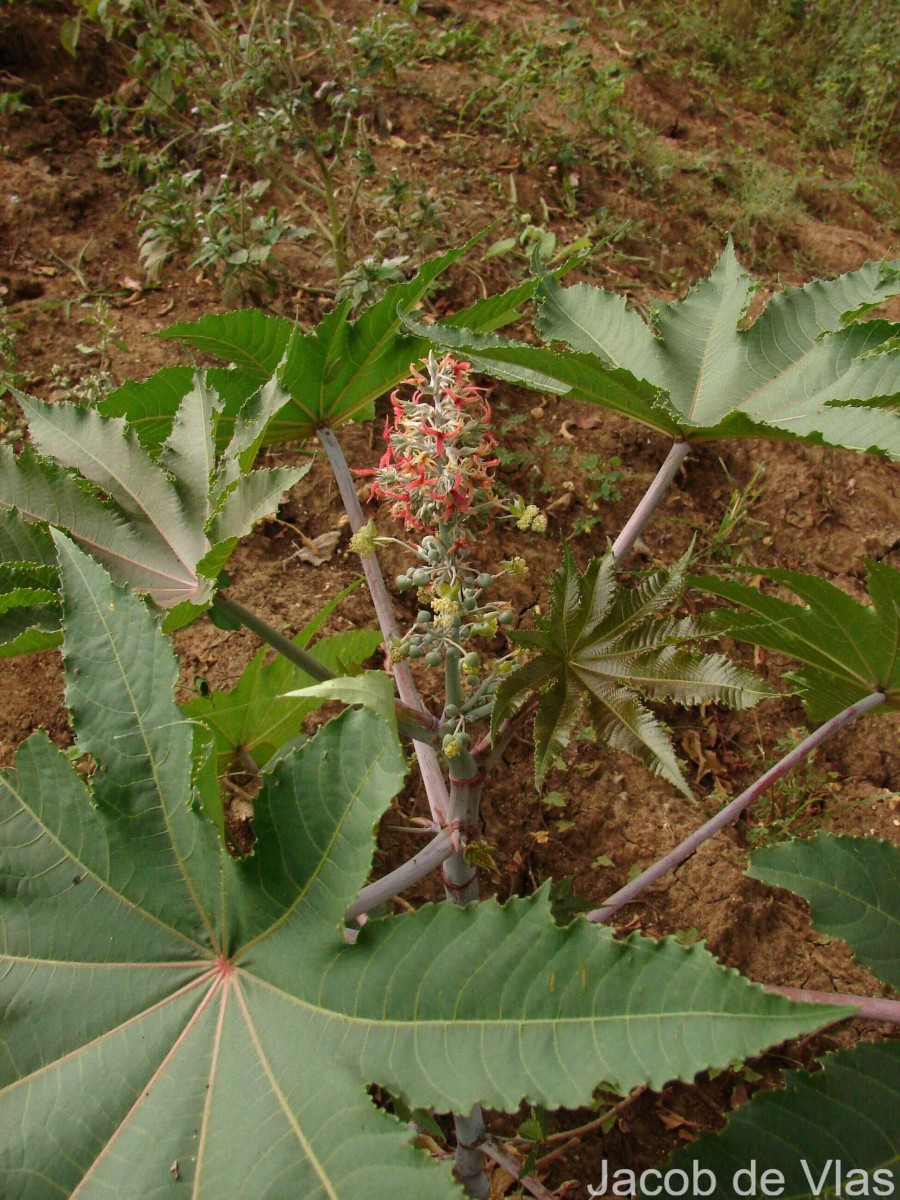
[560, 504]
[705, 760]
[673, 1120]
[501, 1182]
[589, 421]
[319, 549]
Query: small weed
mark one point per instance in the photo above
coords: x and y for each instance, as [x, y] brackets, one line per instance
[282, 99]
[533, 235]
[512, 460]
[793, 806]
[12, 104]
[91, 382]
[512, 422]
[12, 428]
[731, 540]
[601, 477]
[369, 280]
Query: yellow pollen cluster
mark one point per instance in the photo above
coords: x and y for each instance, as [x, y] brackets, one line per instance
[446, 610]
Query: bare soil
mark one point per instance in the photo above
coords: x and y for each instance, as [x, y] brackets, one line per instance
[67, 236]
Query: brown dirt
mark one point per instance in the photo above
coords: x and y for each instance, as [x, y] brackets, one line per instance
[67, 235]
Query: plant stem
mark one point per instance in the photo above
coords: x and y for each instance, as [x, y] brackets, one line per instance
[489, 752]
[512, 1166]
[686, 848]
[870, 1007]
[461, 886]
[429, 857]
[466, 780]
[469, 1169]
[414, 721]
[372, 571]
[337, 228]
[635, 524]
[460, 879]
[466, 784]
[268, 633]
[432, 778]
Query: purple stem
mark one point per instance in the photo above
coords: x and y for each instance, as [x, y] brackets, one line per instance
[432, 777]
[635, 524]
[469, 1169]
[437, 851]
[686, 848]
[866, 1006]
[512, 1166]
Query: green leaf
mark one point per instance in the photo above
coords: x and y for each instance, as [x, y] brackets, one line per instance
[150, 406]
[26, 628]
[249, 431]
[189, 453]
[43, 491]
[851, 649]
[254, 715]
[853, 889]
[206, 792]
[24, 543]
[166, 526]
[247, 337]
[578, 376]
[178, 1022]
[336, 371]
[843, 1117]
[601, 650]
[372, 689]
[29, 587]
[697, 373]
[250, 499]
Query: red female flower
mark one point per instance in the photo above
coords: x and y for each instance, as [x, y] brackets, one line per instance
[438, 465]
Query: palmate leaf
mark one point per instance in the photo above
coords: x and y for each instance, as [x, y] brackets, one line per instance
[600, 651]
[180, 1023]
[697, 374]
[29, 599]
[150, 405]
[254, 715]
[165, 525]
[832, 1132]
[335, 372]
[850, 649]
[842, 1118]
[853, 888]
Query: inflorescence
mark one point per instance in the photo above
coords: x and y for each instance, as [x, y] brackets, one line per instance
[437, 476]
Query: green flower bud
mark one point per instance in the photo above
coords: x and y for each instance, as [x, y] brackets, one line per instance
[398, 651]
